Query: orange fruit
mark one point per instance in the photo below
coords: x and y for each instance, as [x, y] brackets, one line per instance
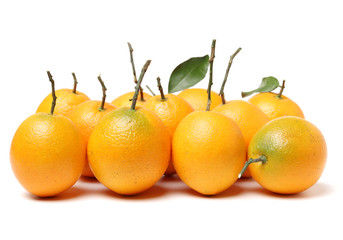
[275, 107]
[294, 152]
[197, 98]
[129, 150]
[47, 154]
[171, 111]
[86, 116]
[208, 151]
[66, 101]
[124, 100]
[248, 118]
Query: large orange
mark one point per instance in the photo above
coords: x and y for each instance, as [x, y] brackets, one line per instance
[47, 154]
[171, 111]
[248, 118]
[294, 152]
[129, 150]
[197, 98]
[274, 106]
[86, 116]
[208, 151]
[124, 100]
[66, 101]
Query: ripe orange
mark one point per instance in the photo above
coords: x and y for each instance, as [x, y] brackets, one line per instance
[171, 111]
[208, 151]
[248, 118]
[197, 98]
[66, 101]
[275, 107]
[129, 150]
[294, 152]
[124, 100]
[47, 154]
[86, 116]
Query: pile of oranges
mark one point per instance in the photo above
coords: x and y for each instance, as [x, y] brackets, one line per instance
[130, 143]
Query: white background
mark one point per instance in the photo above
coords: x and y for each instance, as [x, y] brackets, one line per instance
[300, 41]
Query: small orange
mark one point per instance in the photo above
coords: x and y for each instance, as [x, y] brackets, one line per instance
[47, 154]
[124, 100]
[274, 106]
[87, 115]
[197, 98]
[247, 116]
[290, 155]
[208, 151]
[171, 110]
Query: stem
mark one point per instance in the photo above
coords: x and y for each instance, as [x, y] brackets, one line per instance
[281, 90]
[160, 88]
[52, 93]
[150, 90]
[210, 82]
[134, 71]
[221, 93]
[101, 108]
[262, 159]
[135, 96]
[75, 82]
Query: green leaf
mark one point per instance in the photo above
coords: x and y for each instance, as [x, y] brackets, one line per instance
[268, 84]
[188, 73]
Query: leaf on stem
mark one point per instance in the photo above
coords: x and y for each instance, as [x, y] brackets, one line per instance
[268, 84]
[188, 73]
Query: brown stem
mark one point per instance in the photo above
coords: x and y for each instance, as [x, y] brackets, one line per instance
[221, 93]
[101, 108]
[150, 90]
[135, 96]
[134, 71]
[210, 82]
[75, 82]
[282, 88]
[160, 88]
[54, 98]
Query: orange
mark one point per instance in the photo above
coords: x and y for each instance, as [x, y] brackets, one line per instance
[66, 101]
[129, 150]
[295, 155]
[197, 98]
[124, 100]
[47, 154]
[248, 118]
[171, 111]
[208, 151]
[86, 116]
[275, 107]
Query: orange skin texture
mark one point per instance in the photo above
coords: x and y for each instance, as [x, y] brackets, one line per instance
[129, 150]
[124, 100]
[47, 154]
[296, 155]
[171, 111]
[274, 107]
[86, 116]
[208, 152]
[248, 118]
[66, 101]
[197, 98]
